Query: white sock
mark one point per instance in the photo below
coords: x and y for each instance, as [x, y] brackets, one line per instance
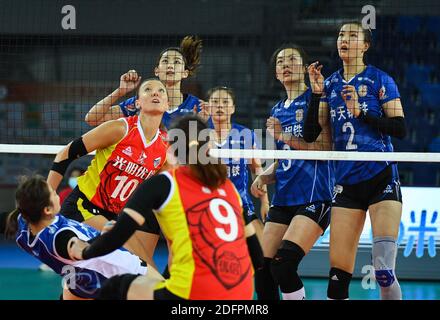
[296, 295]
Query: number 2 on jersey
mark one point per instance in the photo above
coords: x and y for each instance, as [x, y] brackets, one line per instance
[350, 144]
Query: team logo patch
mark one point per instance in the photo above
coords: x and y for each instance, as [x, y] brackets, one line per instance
[382, 93]
[299, 115]
[127, 151]
[142, 158]
[156, 162]
[362, 90]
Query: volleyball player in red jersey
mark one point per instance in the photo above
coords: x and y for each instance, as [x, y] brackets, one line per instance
[128, 151]
[201, 216]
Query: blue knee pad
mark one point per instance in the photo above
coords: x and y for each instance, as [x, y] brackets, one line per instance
[384, 260]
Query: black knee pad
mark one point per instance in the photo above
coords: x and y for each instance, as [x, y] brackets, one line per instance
[116, 288]
[338, 284]
[265, 285]
[285, 264]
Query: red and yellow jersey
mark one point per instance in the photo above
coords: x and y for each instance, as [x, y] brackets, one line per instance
[206, 232]
[117, 170]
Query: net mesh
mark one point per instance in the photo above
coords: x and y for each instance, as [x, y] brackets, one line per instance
[57, 60]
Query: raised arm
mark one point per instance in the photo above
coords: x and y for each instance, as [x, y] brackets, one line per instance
[316, 125]
[100, 137]
[107, 109]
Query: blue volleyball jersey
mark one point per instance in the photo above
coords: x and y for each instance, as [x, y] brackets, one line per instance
[128, 108]
[84, 277]
[299, 182]
[240, 137]
[374, 88]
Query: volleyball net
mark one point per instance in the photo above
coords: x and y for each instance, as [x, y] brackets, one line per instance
[57, 61]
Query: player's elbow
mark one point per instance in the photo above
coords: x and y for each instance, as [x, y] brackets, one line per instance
[91, 120]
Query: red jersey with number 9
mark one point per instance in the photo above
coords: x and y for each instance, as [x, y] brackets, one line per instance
[117, 170]
[206, 232]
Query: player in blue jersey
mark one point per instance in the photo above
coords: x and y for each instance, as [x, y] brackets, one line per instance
[173, 65]
[361, 105]
[229, 135]
[300, 211]
[43, 233]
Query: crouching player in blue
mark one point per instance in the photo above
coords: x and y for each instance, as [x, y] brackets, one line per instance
[43, 233]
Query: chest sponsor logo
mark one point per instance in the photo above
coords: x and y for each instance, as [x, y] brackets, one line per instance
[132, 168]
[362, 90]
[299, 115]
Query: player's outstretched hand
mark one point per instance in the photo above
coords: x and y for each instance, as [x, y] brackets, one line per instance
[316, 77]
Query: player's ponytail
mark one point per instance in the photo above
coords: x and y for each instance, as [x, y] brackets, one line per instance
[209, 172]
[191, 49]
[11, 225]
[31, 197]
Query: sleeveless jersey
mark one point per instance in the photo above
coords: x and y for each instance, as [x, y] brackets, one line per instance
[117, 170]
[374, 88]
[84, 278]
[299, 182]
[240, 137]
[206, 231]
